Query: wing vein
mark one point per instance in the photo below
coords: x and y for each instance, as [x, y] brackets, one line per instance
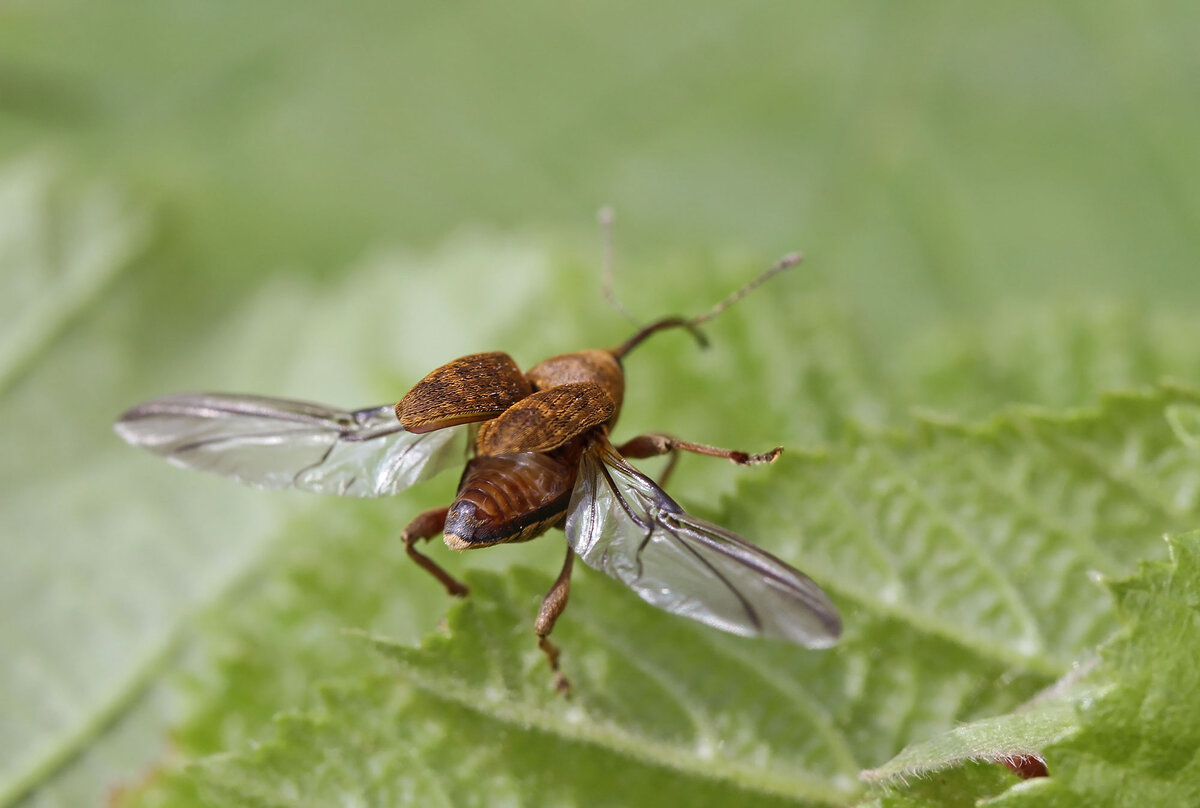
[620, 522]
[751, 613]
[279, 443]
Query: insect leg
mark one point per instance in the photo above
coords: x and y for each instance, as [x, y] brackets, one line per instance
[656, 444]
[552, 606]
[425, 526]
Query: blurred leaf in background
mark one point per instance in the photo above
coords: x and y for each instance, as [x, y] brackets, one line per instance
[1000, 206]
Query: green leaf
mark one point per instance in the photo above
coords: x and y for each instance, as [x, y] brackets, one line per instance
[60, 245]
[1006, 739]
[1185, 421]
[390, 751]
[1136, 743]
[988, 535]
[975, 514]
[971, 186]
[109, 556]
[263, 669]
[1117, 733]
[961, 787]
[669, 704]
[1064, 354]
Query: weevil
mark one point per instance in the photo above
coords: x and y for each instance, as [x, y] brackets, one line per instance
[538, 456]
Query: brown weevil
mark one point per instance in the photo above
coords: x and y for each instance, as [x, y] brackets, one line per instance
[537, 455]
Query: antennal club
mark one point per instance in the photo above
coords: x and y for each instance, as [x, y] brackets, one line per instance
[693, 324]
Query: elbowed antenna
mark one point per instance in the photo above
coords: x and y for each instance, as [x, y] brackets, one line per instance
[693, 324]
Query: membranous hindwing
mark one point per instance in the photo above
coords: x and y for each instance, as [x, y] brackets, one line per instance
[279, 443]
[621, 523]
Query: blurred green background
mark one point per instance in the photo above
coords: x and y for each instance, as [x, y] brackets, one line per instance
[325, 200]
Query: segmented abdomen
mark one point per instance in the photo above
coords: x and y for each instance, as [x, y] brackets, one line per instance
[508, 498]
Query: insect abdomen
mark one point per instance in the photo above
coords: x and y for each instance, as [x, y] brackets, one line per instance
[508, 498]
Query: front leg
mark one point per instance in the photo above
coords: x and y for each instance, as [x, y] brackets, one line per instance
[656, 444]
[553, 605]
[428, 524]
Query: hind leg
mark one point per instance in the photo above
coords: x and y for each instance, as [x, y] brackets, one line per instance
[553, 605]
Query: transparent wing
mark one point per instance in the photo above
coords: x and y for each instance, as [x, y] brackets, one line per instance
[275, 443]
[623, 524]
